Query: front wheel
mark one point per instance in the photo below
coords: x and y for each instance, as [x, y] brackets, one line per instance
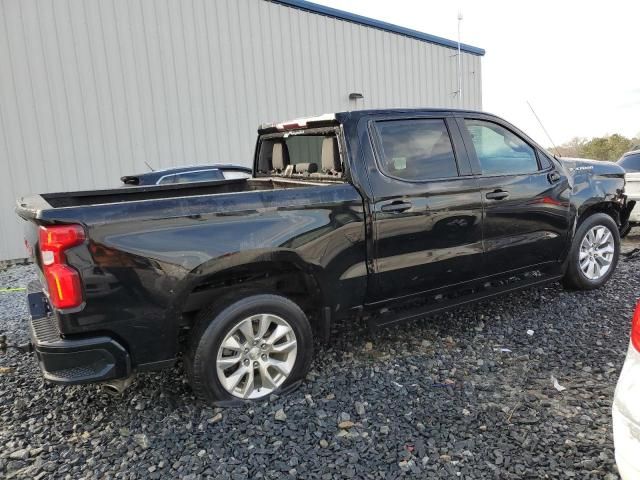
[249, 349]
[594, 253]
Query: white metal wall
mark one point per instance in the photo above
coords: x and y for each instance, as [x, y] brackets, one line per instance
[92, 89]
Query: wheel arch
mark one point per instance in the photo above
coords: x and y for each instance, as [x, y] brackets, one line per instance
[282, 273]
[613, 209]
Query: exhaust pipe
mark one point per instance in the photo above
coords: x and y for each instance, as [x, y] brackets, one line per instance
[118, 386]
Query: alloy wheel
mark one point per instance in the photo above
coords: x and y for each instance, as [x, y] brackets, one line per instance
[596, 252]
[256, 356]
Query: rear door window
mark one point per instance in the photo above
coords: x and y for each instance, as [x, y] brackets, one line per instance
[200, 176]
[235, 174]
[499, 151]
[167, 179]
[545, 161]
[416, 150]
[192, 176]
[630, 163]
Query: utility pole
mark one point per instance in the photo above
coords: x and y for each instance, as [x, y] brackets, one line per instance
[459, 61]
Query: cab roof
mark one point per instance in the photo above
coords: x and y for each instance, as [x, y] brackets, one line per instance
[328, 119]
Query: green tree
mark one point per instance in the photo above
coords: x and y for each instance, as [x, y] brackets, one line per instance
[607, 148]
[573, 148]
[599, 148]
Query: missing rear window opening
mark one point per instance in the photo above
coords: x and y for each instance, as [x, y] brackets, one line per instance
[314, 155]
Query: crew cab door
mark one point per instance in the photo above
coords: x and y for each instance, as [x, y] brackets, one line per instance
[525, 197]
[425, 205]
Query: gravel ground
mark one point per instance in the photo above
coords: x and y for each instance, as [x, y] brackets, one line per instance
[465, 394]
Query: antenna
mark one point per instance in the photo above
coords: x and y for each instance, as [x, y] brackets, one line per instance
[544, 129]
[459, 61]
[149, 166]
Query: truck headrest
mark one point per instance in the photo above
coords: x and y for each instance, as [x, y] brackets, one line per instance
[279, 156]
[330, 155]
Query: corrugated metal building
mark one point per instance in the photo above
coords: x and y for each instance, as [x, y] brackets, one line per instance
[92, 89]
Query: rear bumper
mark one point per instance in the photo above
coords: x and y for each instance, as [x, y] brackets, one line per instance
[72, 361]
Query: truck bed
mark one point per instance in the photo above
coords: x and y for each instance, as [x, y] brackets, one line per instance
[32, 206]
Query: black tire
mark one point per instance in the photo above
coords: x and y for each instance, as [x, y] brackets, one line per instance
[574, 277]
[212, 325]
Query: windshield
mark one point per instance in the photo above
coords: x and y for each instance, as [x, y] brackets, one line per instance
[630, 163]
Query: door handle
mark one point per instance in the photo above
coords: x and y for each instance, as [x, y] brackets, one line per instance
[553, 177]
[397, 206]
[497, 195]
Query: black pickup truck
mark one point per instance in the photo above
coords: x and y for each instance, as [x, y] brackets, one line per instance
[383, 214]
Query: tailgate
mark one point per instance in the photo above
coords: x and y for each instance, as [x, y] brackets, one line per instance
[30, 231]
[29, 209]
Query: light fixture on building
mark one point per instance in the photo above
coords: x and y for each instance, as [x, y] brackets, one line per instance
[355, 96]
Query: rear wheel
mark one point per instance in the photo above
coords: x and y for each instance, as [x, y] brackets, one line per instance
[594, 253]
[249, 349]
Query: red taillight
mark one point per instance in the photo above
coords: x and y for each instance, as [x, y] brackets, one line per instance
[635, 328]
[65, 290]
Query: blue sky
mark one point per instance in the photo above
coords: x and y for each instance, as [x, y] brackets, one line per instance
[578, 63]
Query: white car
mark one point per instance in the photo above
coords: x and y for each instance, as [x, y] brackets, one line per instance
[626, 408]
[630, 161]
